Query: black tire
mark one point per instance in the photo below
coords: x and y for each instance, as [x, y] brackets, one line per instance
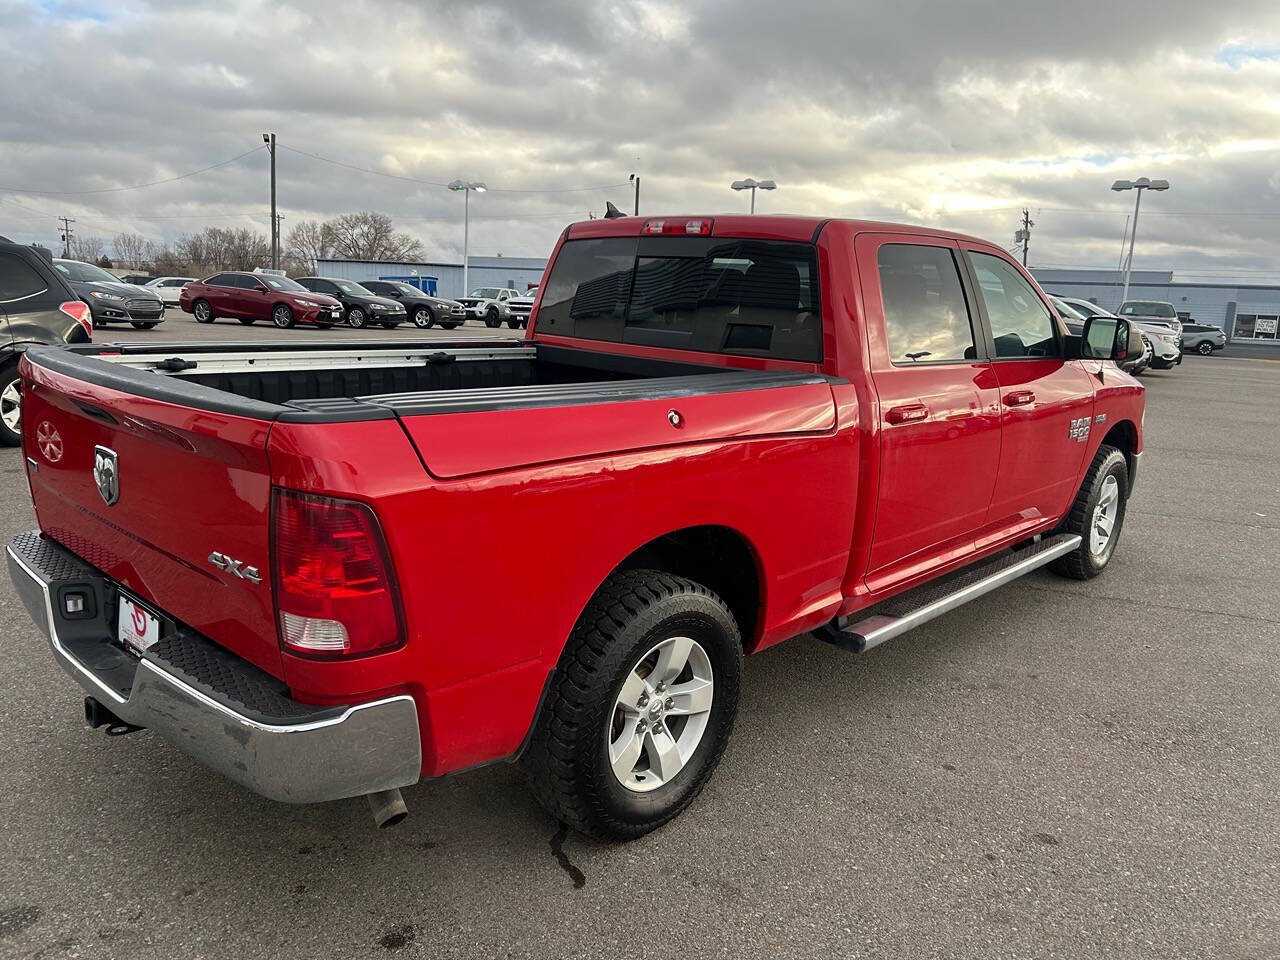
[1204, 348]
[247, 321]
[323, 326]
[1083, 563]
[202, 311]
[282, 316]
[491, 318]
[390, 324]
[357, 318]
[10, 405]
[423, 318]
[514, 323]
[451, 326]
[566, 761]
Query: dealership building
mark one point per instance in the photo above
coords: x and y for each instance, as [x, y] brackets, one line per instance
[442, 279]
[1246, 312]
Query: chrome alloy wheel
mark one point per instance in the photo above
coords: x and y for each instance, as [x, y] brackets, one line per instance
[661, 714]
[11, 404]
[1104, 518]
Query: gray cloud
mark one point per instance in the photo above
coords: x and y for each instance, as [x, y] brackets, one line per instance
[954, 114]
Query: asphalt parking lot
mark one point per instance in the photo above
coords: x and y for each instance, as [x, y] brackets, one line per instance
[1057, 770]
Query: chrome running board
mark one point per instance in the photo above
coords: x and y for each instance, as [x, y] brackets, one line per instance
[908, 610]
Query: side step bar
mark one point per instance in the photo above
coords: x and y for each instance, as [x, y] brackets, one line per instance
[908, 610]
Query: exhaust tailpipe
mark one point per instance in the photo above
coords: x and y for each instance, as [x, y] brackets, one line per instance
[387, 807]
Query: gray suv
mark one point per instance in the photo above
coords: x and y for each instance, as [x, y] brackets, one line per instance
[1202, 338]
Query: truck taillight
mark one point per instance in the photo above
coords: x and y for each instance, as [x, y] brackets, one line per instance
[78, 310]
[336, 593]
[697, 228]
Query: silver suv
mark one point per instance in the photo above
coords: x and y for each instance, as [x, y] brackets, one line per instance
[1202, 338]
[1159, 321]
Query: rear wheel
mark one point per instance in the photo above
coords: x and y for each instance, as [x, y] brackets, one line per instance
[282, 316]
[641, 707]
[1204, 348]
[247, 320]
[423, 319]
[202, 311]
[356, 318]
[10, 406]
[1097, 515]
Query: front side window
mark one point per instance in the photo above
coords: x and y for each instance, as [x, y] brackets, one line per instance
[1021, 324]
[926, 318]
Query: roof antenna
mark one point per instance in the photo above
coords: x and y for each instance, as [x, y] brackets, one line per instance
[611, 212]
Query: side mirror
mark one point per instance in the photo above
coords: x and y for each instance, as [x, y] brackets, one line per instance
[1110, 338]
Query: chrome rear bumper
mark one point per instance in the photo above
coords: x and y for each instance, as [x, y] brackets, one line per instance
[229, 715]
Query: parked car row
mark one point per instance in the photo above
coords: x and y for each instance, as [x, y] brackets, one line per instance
[1163, 331]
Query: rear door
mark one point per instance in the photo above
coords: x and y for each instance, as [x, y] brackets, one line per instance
[1046, 401]
[939, 418]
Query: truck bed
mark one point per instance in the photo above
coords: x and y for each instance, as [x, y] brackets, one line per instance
[318, 382]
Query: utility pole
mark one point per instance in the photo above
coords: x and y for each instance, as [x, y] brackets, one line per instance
[270, 140]
[1023, 236]
[637, 180]
[66, 237]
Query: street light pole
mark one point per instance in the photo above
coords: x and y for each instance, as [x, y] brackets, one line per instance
[270, 140]
[466, 186]
[753, 185]
[637, 182]
[1142, 183]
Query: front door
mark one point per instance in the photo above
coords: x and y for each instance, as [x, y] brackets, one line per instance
[1046, 402]
[939, 419]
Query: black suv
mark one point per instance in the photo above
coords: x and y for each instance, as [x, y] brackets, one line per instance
[361, 306]
[37, 306]
[422, 308]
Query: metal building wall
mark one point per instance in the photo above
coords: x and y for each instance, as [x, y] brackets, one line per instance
[514, 272]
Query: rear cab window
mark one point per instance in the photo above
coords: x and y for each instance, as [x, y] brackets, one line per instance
[712, 295]
[926, 317]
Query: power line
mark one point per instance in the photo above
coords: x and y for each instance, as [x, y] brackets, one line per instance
[441, 183]
[135, 186]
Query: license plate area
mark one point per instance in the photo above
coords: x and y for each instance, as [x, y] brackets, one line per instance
[137, 627]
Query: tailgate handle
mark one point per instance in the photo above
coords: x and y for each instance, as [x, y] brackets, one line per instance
[1019, 398]
[907, 413]
[97, 413]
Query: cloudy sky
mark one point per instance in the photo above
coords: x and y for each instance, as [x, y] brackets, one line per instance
[948, 113]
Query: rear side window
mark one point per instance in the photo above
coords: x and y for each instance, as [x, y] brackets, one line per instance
[926, 318]
[751, 297]
[221, 280]
[18, 279]
[1021, 324]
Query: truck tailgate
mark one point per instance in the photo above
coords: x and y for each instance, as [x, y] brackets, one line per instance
[461, 433]
[191, 483]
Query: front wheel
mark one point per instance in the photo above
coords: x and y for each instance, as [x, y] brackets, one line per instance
[282, 316]
[491, 318]
[10, 406]
[641, 707]
[356, 318]
[202, 311]
[1097, 515]
[422, 318]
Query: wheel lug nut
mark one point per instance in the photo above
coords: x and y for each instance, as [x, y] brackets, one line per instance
[670, 702]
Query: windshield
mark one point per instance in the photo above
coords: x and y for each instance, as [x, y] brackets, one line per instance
[352, 289]
[488, 293]
[85, 272]
[1148, 308]
[408, 289]
[283, 283]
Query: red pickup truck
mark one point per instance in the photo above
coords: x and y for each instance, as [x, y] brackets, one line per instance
[331, 571]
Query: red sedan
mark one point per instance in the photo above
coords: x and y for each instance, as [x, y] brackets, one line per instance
[249, 297]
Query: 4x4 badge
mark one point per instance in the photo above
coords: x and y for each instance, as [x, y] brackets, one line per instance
[106, 474]
[235, 567]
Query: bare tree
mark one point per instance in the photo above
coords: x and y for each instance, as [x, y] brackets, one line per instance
[85, 249]
[216, 248]
[309, 242]
[371, 236]
[131, 250]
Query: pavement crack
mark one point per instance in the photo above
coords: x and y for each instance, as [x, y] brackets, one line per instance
[557, 848]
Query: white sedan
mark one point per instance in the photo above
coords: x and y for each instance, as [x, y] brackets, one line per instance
[169, 289]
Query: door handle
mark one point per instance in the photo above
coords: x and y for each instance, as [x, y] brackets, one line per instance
[1019, 398]
[907, 413]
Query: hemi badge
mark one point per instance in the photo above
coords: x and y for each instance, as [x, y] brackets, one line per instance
[1100, 418]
